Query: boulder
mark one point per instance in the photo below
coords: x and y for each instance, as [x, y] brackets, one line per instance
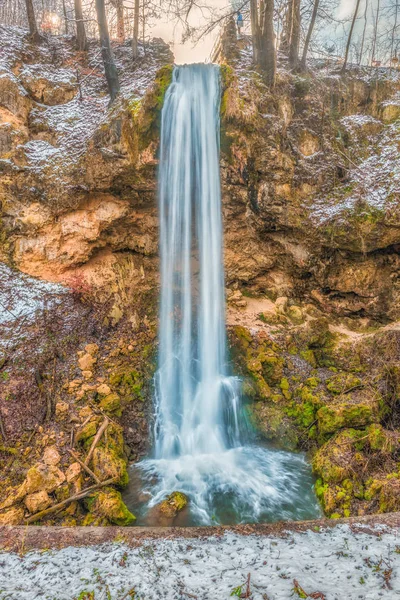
[49, 86]
[37, 501]
[43, 477]
[14, 516]
[51, 456]
[108, 465]
[172, 505]
[107, 503]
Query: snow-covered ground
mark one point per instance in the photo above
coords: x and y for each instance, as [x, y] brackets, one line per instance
[338, 563]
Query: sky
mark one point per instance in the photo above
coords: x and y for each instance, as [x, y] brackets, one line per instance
[189, 52]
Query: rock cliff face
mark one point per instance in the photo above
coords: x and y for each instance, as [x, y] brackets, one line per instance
[311, 192]
[311, 186]
[311, 195]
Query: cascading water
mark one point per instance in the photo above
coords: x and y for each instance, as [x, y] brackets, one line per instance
[201, 442]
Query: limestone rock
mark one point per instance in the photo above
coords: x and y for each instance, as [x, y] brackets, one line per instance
[43, 477]
[103, 390]
[86, 362]
[107, 503]
[51, 86]
[111, 403]
[51, 456]
[92, 349]
[73, 472]
[37, 501]
[173, 504]
[14, 516]
[107, 465]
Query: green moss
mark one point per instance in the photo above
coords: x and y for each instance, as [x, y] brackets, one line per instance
[87, 432]
[108, 465]
[108, 504]
[271, 422]
[111, 404]
[342, 382]
[309, 356]
[332, 418]
[173, 504]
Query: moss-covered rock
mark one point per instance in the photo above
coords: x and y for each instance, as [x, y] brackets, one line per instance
[172, 505]
[111, 404]
[334, 417]
[342, 382]
[108, 465]
[106, 506]
[340, 457]
[272, 423]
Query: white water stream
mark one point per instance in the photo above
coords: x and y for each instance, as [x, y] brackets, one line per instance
[202, 446]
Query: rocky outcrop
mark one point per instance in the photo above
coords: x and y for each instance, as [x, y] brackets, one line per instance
[311, 186]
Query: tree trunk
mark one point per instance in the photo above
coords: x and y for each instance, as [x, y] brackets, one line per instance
[287, 29]
[375, 33]
[120, 21]
[81, 41]
[364, 32]
[346, 56]
[255, 29]
[33, 29]
[295, 35]
[106, 52]
[309, 34]
[65, 17]
[267, 51]
[135, 40]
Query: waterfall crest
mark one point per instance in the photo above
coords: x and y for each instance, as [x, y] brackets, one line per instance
[199, 446]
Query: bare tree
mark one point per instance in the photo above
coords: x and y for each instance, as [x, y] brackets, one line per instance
[364, 31]
[353, 22]
[309, 33]
[33, 29]
[119, 7]
[287, 27]
[375, 32]
[262, 25]
[135, 39]
[106, 52]
[81, 40]
[294, 44]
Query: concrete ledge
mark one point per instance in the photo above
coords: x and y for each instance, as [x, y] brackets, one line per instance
[21, 539]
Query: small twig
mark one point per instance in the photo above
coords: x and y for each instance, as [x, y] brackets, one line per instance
[2, 430]
[85, 467]
[96, 440]
[60, 505]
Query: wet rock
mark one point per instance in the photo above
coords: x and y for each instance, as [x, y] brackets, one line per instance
[171, 506]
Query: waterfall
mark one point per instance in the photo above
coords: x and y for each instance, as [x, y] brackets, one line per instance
[194, 397]
[199, 446]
